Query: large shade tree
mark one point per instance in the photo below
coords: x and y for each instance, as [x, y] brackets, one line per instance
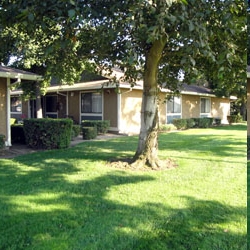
[153, 40]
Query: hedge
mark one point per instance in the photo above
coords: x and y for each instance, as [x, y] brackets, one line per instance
[48, 133]
[89, 133]
[101, 126]
[204, 122]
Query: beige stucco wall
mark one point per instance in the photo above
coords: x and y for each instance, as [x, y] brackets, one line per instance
[248, 106]
[220, 108]
[130, 111]
[162, 108]
[3, 103]
[190, 106]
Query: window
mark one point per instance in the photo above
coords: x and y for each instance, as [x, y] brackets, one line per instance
[16, 104]
[91, 103]
[205, 105]
[173, 109]
[174, 105]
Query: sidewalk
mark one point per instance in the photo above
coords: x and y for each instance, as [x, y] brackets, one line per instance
[21, 149]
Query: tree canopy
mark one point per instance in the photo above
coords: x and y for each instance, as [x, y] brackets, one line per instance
[155, 40]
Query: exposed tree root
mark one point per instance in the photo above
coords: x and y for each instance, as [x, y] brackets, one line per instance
[142, 165]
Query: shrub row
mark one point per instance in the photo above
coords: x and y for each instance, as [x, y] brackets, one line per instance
[204, 122]
[48, 133]
[90, 129]
[2, 141]
[101, 126]
[76, 129]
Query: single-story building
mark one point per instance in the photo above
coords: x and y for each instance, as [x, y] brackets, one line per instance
[8, 77]
[98, 99]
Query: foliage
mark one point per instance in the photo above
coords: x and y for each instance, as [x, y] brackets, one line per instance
[17, 134]
[2, 141]
[71, 199]
[167, 127]
[235, 118]
[180, 123]
[154, 41]
[204, 122]
[76, 129]
[89, 133]
[48, 133]
[102, 126]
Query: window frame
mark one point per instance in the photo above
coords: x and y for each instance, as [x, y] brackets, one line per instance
[172, 115]
[91, 115]
[205, 114]
[20, 100]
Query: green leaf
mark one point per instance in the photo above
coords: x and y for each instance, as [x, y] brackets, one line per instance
[71, 13]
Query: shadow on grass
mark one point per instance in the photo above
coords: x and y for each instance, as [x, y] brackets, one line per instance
[42, 209]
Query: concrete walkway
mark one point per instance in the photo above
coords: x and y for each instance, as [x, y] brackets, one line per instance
[20, 149]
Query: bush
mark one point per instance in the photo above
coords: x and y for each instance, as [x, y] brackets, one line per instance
[75, 131]
[89, 133]
[234, 118]
[167, 127]
[17, 134]
[2, 141]
[180, 123]
[190, 123]
[217, 121]
[204, 122]
[101, 126]
[48, 133]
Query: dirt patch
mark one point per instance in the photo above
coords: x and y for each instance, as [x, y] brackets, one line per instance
[125, 164]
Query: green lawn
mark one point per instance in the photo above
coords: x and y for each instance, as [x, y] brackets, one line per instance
[70, 199]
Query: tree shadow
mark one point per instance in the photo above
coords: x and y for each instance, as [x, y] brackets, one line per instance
[41, 208]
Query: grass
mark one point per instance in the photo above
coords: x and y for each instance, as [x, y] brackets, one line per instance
[70, 199]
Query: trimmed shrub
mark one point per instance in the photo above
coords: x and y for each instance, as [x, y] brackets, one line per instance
[2, 141]
[167, 127]
[190, 123]
[234, 118]
[17, 134]
[48, 133]
[217, 121]
[204, 122]
[101, 126]
[76, 129]
[180, 123]
[89, 133]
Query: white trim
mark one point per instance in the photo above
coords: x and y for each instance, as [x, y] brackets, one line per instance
[20, 76]
[119, 113]
[8, 139]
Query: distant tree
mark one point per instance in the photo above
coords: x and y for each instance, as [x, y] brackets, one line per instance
[153, 40]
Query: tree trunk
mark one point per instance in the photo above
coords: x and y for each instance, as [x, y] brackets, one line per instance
[147, 150]
[39, 111]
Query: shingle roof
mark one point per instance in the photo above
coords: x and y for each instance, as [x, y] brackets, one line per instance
[17, 73]
[196, 89]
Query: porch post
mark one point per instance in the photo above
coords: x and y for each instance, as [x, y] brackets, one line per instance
[8, 139]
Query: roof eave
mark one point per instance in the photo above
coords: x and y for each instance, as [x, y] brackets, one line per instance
[21, 76]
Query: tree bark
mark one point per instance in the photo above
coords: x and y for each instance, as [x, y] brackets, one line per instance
[147, 150]
[39, 111]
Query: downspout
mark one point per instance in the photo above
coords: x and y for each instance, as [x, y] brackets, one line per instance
[8, 139]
